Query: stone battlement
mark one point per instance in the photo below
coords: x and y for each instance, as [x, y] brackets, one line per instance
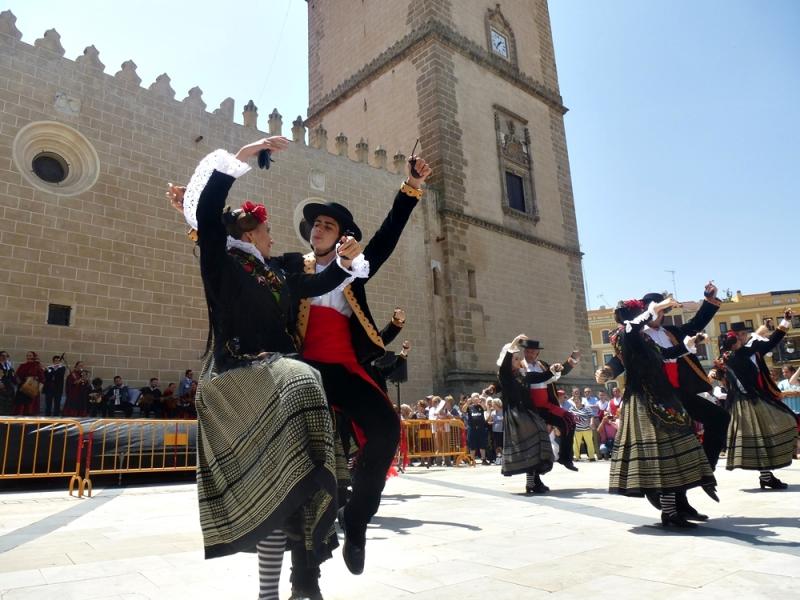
[48, 48]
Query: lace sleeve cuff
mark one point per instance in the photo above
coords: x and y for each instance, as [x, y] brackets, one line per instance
[219, 160]
[647, 315]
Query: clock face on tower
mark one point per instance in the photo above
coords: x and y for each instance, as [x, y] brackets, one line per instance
[499, 43]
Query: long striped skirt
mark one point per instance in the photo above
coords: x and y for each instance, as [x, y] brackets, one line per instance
[647, 458]
[265, 458]
[761, 437]
[526, 443]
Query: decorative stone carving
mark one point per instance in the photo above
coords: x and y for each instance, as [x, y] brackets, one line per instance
[250, 115]
[362, 151]
[341, 144]
[299, 130]
[67, 105]
[8, 24]
[399, 162]
[195, 98]
[380, 157]
[316, 179]
[90, 58]
[225, 109]
[319, 137]
[128, 73]
[51, 41]
[275, 122]
[162, 87]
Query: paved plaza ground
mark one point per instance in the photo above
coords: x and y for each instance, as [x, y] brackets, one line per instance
[462, 534]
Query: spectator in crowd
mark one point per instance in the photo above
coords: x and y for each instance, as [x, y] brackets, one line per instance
[591, 401]
[602, 403]
[150, 400]
[118, 397]
[791, 379]
[496, 421]
[406, 412]
[583, 429]
[8, 386]
[54, 386]
[169, 402]
[421, 412]
[186, 407]
[477, 433]
[606, 432]
[30, 377]
[452, 409]
[72, 405]
[615, 402]
[186, 383]
[563, 401]
[98, 406]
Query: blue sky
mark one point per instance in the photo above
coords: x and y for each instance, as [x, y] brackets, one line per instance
[683, 126]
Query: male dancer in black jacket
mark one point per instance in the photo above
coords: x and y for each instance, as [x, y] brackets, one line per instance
[339, 338]
[688, 377]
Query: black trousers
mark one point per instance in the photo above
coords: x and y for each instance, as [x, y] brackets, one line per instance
[52, 404]
[369, 410]
[715, 421]
[567, 430]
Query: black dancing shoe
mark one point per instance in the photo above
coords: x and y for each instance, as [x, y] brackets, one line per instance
[774, 483]
[570, 465]
[688, 511]
[711, 490]
[352, 554]
[299, 595]
[676, 520]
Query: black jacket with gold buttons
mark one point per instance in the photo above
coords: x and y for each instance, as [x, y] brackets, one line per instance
[366, 337]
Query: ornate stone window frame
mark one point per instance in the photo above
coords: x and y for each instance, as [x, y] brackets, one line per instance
[60, 141]
[494, 19]
[512, 159]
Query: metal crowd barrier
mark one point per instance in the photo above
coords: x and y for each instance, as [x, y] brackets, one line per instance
[441, 438]
[118, 446]
[792, 400]
[41, 447]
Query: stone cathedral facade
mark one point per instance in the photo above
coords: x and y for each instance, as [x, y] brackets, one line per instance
[97, 265]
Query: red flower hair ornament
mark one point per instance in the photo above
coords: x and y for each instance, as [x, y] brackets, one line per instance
[259, 211]
[634, 305]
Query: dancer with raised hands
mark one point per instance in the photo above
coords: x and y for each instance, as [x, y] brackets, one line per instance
[265, 438]
[763, 430]
[656, 452]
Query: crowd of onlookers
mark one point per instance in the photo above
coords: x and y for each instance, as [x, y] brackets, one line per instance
[56, 390]
[595, 416]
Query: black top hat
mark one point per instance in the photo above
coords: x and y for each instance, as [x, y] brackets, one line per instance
[652, 297]
[740, 326]
[531, 345]
[335, 211]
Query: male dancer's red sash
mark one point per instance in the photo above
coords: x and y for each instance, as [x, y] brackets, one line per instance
[328, 340]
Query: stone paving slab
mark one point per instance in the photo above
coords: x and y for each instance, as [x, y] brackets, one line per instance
[442, 533]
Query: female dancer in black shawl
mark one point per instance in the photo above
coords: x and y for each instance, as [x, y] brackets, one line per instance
[265, 453]
[762, 430]
[656, 452]
[526, 443]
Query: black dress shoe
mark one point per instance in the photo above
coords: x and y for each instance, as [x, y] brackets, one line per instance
[570, 465]
[676, 520]
[688, 511]
[774, 483]
[352, 554]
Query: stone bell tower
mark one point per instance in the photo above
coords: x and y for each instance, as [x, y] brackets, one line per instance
[476, 82]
